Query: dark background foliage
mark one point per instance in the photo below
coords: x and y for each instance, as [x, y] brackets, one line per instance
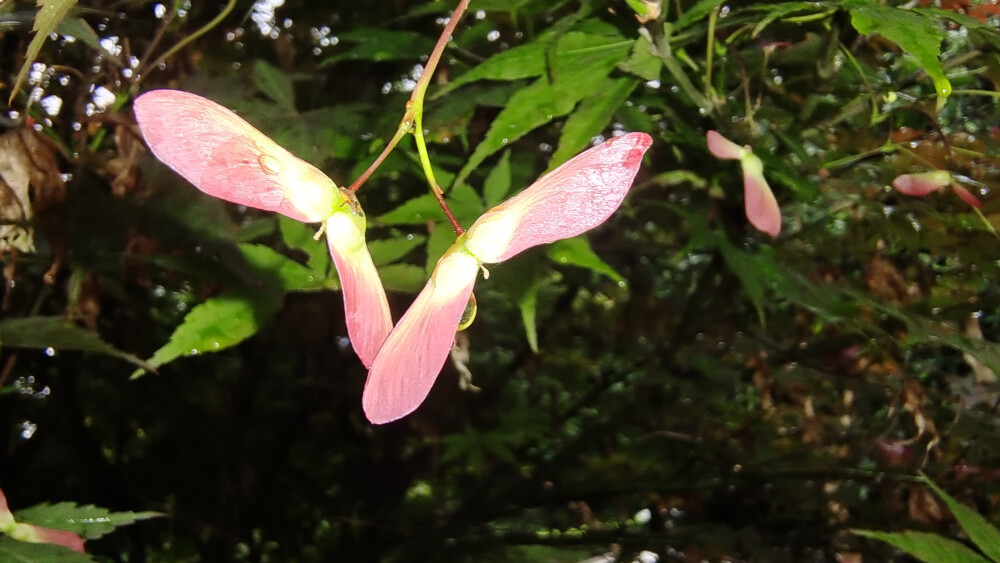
[733, 398]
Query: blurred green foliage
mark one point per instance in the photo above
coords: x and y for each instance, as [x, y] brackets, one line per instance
[673, 383]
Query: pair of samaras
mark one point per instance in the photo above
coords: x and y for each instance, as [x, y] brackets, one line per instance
[224, 156]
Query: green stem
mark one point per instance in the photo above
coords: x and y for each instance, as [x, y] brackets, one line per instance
[661, 44]
[413, 120]
[975, 93]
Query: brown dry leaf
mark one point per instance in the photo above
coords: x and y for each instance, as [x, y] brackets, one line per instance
[30, 181]
[653, 10]
[886, 283]
[982, 373]
[923, 506]
[123, 167]
[85, 298]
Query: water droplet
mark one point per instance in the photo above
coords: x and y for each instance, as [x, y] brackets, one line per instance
[469, 314]
[28, 429]
[269, 164]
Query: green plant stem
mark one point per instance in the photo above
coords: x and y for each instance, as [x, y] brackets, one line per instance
[713, 18]
[413, 120]
[661, 44]
[975, 93]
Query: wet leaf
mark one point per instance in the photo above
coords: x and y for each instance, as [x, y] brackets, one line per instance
[88, 521]
[60, 334]
[926, 546]
[380, 45]
[79, 28]
[218, 323]
[50, 13]
[915, 33]
[577, 252]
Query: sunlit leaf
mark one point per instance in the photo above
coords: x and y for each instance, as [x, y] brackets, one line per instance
[289, 274]
[59, 334]
[218, 323]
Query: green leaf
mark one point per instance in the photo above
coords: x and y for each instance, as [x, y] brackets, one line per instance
[302, 236]
[274, 84]
[980, 531]
[523, 61]
[406, 278]
[497, 184]
[441, 238]
[915, 33]
[591, 117]
[382, 45]
[389, 250]
[217, 324]
[577, 252]
[642, 62]
[926, 546]
[79, 28]
[528, 304]
[696, 13]
[88, 521]
[282, 270]
[751, 270]
[583, 62]
[58, 333]
[463, 201]
[13, 551]
[50, 13]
